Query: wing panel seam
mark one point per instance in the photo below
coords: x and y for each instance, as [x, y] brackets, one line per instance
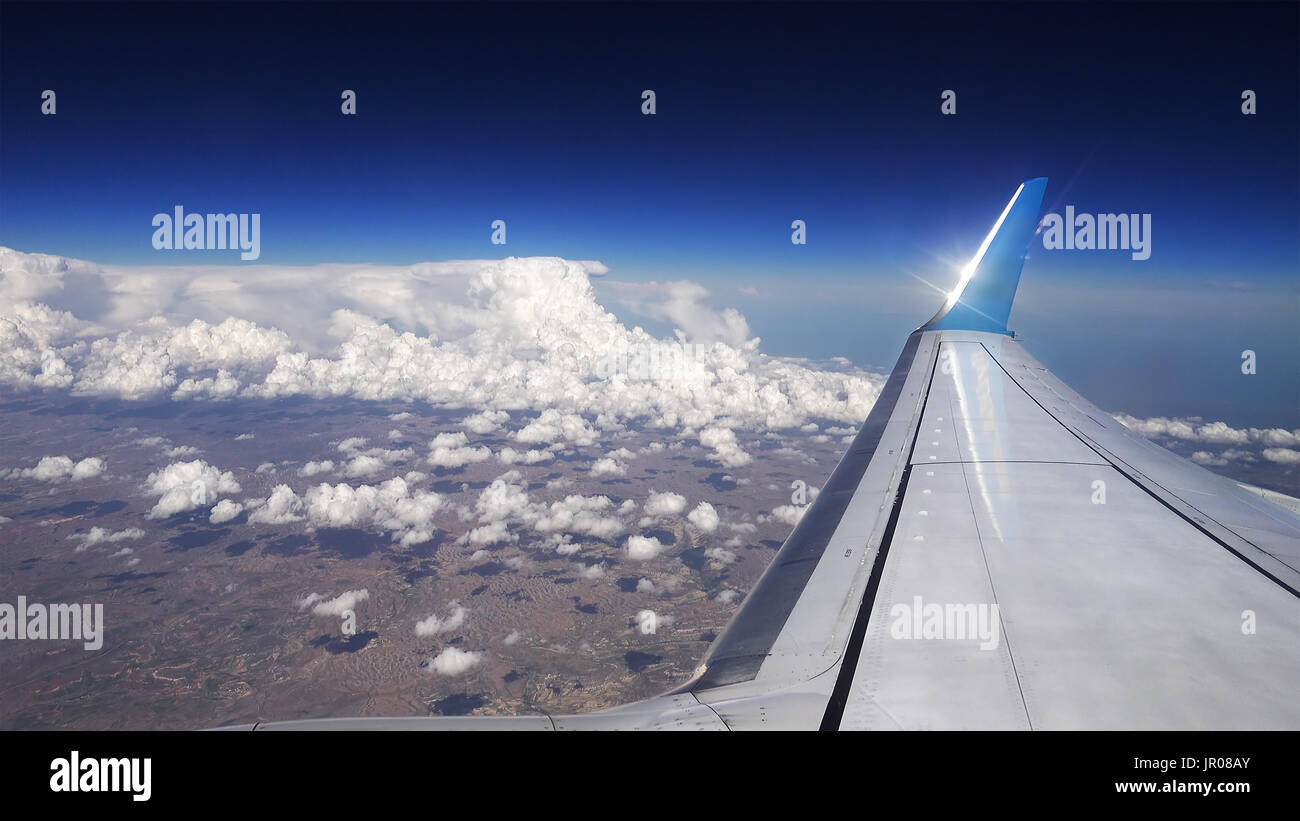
[1205, 531]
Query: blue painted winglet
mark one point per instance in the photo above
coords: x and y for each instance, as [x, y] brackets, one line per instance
[983, 296]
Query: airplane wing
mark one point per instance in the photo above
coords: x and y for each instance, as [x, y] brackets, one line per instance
[994, 552]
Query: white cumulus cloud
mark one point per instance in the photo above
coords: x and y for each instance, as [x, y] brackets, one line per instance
[436, 624]
[60, 468]
[453, 661]
[643, 548]
[704, 517]
[336, 606]
[183, 486]
[224, 511]
[99, 535]
[501, 337]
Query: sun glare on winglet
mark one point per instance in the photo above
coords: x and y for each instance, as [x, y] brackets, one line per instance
[971, 267]
[995, 267]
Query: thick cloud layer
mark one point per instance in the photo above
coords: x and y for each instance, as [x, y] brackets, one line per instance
[1277, 445]
[495, 336]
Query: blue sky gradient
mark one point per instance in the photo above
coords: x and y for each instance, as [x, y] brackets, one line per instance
[766, 114]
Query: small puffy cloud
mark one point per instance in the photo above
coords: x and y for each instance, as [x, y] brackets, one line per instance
[608, 467]
[363, 465]
[643, 548]
[1213, 433]
[664, 504]
[309, 599]
[1204, 457]
[449, 440]
[510, 456]
[704, 517]
[485, 422]
[1220, 433]
[553, 426]
[392, 506]
[586, 515]
[790, 514]
[243, 437]
[1246, 445]
[336, 606]
[511, 638]
[613, 463]
[1282, 456]
[504, 500]
[280, 508]
[453, 661]
[61, 468]
[183, 486]
[451, 450]
[313, 468]
[87, 469]
[360, 462]
[224, 511]
[352, 444]
[720, 554]
[436, 624]
[726, 449]
[594, 571]
[98, 535]
[1276, 437]
[565, 546]
[490, 533]
[1158, 426]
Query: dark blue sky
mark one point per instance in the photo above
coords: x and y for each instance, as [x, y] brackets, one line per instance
[766, 114]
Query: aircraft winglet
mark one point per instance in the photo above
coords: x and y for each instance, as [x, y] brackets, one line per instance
[983, 296]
